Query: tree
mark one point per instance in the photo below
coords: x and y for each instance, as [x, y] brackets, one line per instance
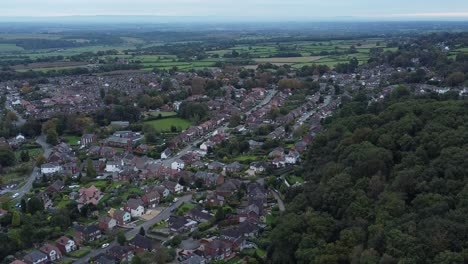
[24, 156]
[121, 238]
[142, 231]
[137, 260]
[456, 78]
[52, 137]
[166, 84]
[235, 120]
[40, 160]
[90, 171]
[220, 214]
[34, 205]
[7, 157]
[16, 219]
[23, 205]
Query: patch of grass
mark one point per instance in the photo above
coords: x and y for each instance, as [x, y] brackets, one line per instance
[164, 125]
[72, 140]
[184, 208]
[246, 158]
[79, 253]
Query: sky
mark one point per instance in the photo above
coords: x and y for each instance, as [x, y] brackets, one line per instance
[255, 9]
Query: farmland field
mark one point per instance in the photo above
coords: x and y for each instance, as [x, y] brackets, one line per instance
[164, 125]
[289, 60]
[9, 48]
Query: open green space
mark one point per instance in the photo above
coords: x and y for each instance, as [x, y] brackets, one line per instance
[164, 125]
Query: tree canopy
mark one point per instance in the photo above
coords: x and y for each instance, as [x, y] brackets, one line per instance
[383, 186]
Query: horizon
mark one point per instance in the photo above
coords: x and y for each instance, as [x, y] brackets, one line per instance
[252, 10]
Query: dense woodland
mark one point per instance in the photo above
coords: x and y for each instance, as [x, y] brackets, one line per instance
[386, 183]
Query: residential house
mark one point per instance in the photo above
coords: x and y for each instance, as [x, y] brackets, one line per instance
[228, 188]
[166, 154]
[57, 186]
[107, 223]
[85, 234]
[199, 215]
[52, 252]
[143, 148]
[65, 244]
[194, 259]
[206, 146]
[36, 257]
[50, 168]
[173, 187]
[151, 199]
[215, 200]
[257, 167]
[233, 167]
[18, 262]
[141, 244]
[250, 213]
[114, 166]
[216, 165]
[121, 217]
[209, 178]
[180, 224]
[162, 190]
[177, 164]
[104, 258]
[135, 207]
[218, 250]
[88, 139]
[122, 253]
[292, 157]
[90, 195]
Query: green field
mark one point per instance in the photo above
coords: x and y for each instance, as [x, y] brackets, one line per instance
[9, 48]
[164, 125]
[310, 51]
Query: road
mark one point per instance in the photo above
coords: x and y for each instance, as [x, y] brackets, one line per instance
[165, 214]
[35, 172]
[279, 200]
[21, 121]
[307, 115]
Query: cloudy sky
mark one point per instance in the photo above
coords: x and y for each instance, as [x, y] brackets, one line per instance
[262, 9]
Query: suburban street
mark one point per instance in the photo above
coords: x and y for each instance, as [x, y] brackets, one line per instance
[191, 146]
[35, 172]
[163, 215]
[21, 121]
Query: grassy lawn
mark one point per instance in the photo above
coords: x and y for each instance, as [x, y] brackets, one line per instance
[98, 184]
[63, 203]
[33, 153]
[294, 179]
[270, 219]
[185, 207]
[164, 125]
[247, 158]
[72, 140]
[79, 253]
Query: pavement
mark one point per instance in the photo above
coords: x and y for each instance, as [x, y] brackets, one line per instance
[165, 214]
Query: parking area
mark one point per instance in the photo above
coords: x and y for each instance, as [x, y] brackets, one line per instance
[150, 214]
